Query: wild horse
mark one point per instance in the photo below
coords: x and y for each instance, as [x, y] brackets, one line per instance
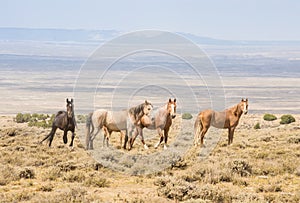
[64, 120]
[110, 121]
[161, 122]
[226, 119]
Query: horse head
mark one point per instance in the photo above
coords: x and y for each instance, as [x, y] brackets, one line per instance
[244, 106]
[70, 108]
[147, 107]
[171, 107]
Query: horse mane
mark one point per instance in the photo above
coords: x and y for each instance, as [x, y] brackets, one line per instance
[137, 111]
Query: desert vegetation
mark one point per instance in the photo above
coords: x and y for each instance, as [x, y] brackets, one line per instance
[260, 166]
[187, 116]
[269, 117]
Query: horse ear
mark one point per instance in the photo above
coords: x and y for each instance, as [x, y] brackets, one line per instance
[170, 100]
[242, 100]
[146, 102]
[72, 100]
[175, 100]
[67, 100]
[247, 100]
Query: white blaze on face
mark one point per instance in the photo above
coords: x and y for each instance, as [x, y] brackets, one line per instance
[172, 109]
[245, 108]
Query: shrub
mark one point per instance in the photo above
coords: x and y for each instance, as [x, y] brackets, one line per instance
[27, 173]
[96, 181]
[256, 126]
[22, 118]
[286, 119]
[187, 116]
[241, 167]
[269, 117]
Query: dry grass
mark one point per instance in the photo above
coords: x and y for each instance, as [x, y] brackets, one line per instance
[261, 165]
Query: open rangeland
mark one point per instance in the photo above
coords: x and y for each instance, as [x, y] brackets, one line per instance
[261, 165]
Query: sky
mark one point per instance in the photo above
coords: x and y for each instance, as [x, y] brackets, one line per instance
[229, 20]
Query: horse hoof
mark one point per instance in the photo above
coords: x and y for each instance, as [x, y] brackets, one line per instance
[145, 146]
[165, 147]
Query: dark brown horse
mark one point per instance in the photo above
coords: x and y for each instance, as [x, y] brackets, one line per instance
[64, 120]
[117, 121]
[226, 119]
[161, 122]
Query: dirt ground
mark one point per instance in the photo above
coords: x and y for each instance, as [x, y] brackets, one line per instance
[262, 165]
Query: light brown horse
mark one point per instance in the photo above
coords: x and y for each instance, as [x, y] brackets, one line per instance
[161, 122]
[226, 119]
[126, 120]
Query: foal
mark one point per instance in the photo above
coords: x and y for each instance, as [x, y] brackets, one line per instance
[226, 119]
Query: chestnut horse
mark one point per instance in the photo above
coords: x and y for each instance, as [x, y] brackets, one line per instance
[110, 121]
[64, 120]
[226, 119]
[161, 122]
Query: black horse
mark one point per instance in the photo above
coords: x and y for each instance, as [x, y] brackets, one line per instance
[64, 120]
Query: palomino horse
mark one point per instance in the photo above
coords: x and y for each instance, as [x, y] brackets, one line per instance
[126, 120]
[64, 120]
[161, 122]
[225, 119]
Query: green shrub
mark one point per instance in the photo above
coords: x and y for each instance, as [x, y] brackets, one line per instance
[187, 116]
[19, 118]
[286, 119]
[38, 120]
[269, 117]
[256, 126]
[23, 118]
[43, 116]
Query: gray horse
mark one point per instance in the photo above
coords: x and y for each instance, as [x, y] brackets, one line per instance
[110, 121]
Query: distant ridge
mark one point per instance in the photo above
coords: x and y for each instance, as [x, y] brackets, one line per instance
[96, 36]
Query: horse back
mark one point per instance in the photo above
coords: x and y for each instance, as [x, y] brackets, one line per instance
[210, 117]
[116, 120]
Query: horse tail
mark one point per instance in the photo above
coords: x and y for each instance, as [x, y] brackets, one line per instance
[197, 129]
[89, 124]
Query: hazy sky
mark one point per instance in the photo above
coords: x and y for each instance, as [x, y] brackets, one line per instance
[230, 19]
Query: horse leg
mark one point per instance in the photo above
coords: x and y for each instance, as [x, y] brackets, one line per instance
[166, 134]
[142, 138]
[105, 135]
[125, 140]
[133, 136]
[91, 142]
[230, 135]
[108, 137]
[73, 136]
[121, 138]
[65, 137]
[160, 133]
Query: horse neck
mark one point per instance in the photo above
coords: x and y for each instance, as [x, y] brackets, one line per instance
[237, 110]
[164, 109]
